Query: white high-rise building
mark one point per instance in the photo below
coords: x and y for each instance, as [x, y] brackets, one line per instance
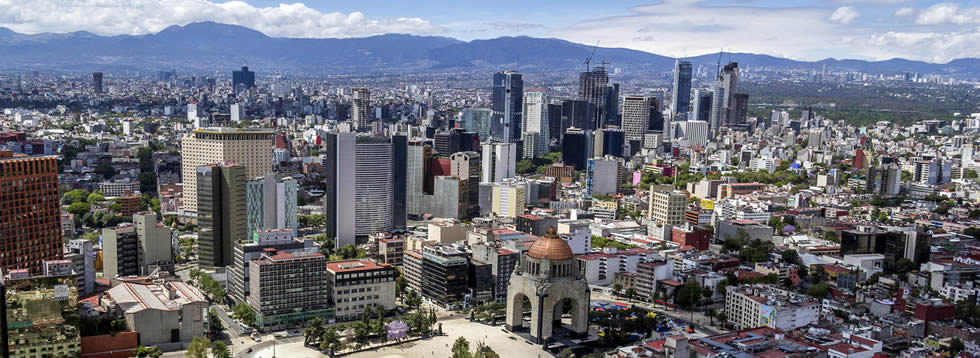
[361, 109]
[359, 198]
[536, 114]
[251, 148]
[237, 113]
[192, 112]
[695, 132]
[499, 161]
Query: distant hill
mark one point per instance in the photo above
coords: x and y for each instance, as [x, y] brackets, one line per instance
[210, 46]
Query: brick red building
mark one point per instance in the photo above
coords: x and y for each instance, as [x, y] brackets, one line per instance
[692, 236]
[30, 217]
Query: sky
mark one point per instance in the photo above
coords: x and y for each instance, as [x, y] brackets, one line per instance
[926, 30]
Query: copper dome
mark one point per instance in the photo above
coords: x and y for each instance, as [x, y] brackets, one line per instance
[550, 247]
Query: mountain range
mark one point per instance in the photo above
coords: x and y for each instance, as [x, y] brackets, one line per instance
[210, 46]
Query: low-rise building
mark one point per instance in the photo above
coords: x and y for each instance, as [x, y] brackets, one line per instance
[359, 284]
[171, 312]
[766, 305]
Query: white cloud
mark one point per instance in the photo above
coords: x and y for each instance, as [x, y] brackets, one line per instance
[948, 13]
[845, 15]
[938, 47]
[691, 27]
[134, 17]
[905, 11]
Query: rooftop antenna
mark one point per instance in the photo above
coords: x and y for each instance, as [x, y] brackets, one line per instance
[588, 60]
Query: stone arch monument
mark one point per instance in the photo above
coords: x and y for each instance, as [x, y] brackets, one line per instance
[549, 276]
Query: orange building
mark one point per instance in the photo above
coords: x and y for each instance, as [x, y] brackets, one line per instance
[30, 212]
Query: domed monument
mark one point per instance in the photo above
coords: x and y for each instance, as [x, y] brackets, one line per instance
[550, 278]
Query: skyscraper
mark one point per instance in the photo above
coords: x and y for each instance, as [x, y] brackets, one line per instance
[467, 166]
[636, 116]
[728, 80]
[251, 148]
[477, 120]
[575, 113]
[593, 87]
[717, 109]
[97, 82]
[536, 118]
[575, 148]
[271, 204]
[739, 111]
[242, 80]
[609, 141]
[30, 216]
[416, 174]
[702, 105]
[681, 101]
[221, 212]
[359, 199]
[507, 97]
[361, 109]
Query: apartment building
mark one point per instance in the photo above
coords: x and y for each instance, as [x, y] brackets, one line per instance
[356, 285]
[288, 289]
[766, 305]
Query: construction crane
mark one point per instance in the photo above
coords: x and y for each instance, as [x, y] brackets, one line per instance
[588, 60]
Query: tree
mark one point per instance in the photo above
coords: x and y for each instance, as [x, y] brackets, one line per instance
[903, 266]
[151, 352]
[348, 252]
[314, 330]
[95, 198]
[525, 166]
[630, 292]
[413, 300]
[707, 294]
[79, 209]
[689, 294]
[198, 348]
[74, 196]
[244, 313]
[956, 346]
[831, 236]
[711, 313]
[819, 275]
[819, 290]
[330, 339]
[215, 327]
[220, 350]
[105, 169]
[790, 256]
[461, 348]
